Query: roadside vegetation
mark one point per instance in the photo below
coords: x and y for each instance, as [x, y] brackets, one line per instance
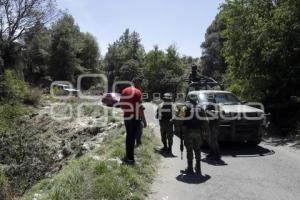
[101, 175]
[252, 47]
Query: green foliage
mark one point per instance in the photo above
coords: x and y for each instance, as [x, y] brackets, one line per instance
[89, 56]
[130, 69]
[33, 97]
[64, 50]
[73, 53]
[12, 90]
[262, 51]
[37, 54]
[26, 154]
[212, 60]
[163, 70]
[106, 178]
[9, 116]
[17, 18]
[124, 58]
[262, 48]
[3, 179]
[4, 187]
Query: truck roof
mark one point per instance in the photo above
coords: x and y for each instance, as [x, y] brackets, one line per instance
[208, 91]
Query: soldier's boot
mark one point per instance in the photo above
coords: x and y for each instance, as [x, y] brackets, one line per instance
[189, 169]
[170, 150]
[198, 168]
[165, 148]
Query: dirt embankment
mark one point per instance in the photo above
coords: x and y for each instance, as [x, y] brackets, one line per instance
[41, 144]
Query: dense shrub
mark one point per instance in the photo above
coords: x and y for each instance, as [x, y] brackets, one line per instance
[4, 188]
[28, 158]
[12, 90]
[33, 97]
[9, 115]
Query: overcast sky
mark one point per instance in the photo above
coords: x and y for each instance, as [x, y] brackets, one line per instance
[161, 22]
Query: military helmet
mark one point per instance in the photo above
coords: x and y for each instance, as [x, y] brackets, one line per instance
[167, 96]
[194, 67]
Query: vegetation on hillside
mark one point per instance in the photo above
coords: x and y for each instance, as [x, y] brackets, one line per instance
[252, 47]
[100, 174]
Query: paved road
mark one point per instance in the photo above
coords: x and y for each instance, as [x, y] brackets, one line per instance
[257, 173]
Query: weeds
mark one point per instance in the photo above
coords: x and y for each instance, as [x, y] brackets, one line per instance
[88, 178]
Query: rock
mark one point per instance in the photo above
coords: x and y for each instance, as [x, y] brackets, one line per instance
[86, 147]
[118, 160]
[37, 196]
[98, 158]
[59, 156]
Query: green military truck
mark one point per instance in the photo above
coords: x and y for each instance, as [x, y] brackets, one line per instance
[238, 121]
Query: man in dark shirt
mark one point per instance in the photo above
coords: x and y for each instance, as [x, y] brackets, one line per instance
[131, 100]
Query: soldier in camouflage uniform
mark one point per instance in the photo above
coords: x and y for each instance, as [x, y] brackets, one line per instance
[165, 113]
[194, 76]
[214, 140]
[212, 126]
[191, 127]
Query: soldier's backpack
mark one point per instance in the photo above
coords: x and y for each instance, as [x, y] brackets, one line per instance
[194, 122]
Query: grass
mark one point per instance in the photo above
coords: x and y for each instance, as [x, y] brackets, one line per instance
[105, 178]
[4, 187]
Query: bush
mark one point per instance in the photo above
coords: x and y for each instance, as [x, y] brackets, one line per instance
[9, 115]
[4, 189]
[2, 179]
[28, 158]
[12, 90]
[33, 97]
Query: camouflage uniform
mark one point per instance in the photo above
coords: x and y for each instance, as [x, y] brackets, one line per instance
[192, 139]
[194, 76]
[214, 139]
[166, 131]
[165, 114]
[213, 135]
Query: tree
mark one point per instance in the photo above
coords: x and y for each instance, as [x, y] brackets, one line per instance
[89, 56]
[127, 48]
[262, 51]
[37, 54]
[154, 63]
[130, 69]
[17, 17]
[212, 60]
[262, 48]
[65, 49]
[163, 71]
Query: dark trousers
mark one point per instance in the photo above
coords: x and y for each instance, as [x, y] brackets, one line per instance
[131, 126]
[139, 133]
